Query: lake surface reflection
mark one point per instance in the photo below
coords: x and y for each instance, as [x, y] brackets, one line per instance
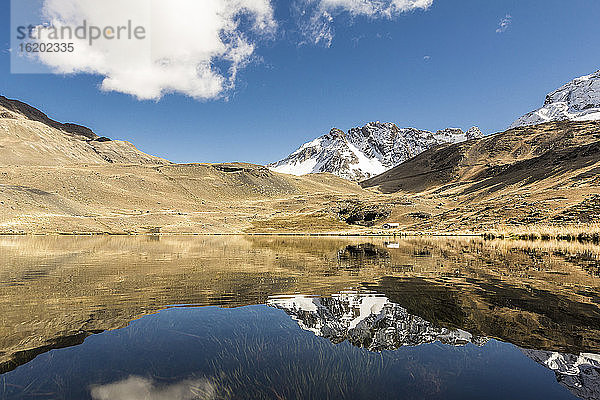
[297, 318]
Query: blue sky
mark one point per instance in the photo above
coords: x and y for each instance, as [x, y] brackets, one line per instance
[446, 66]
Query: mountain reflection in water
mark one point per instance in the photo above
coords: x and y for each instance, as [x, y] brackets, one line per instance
[579, 373]
[371, 321]
[376, 301]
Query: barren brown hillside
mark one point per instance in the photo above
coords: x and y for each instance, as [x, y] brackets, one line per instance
[196, 198]
[63, 178]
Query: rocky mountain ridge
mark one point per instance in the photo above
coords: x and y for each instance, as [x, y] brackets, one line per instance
[578, 100]
[543, 174]
[366, 151]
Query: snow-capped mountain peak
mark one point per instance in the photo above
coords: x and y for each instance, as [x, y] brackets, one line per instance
[578, 100]
[366, 151]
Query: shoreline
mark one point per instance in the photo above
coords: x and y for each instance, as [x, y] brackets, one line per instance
[310, 234]
[486, 236]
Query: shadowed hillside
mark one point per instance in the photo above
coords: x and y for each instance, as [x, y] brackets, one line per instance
[522, 155]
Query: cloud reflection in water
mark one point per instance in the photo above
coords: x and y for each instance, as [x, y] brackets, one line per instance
[140, 388]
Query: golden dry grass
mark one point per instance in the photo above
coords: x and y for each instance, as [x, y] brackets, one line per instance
[575, 232]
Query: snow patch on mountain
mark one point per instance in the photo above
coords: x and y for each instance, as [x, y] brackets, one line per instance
[578, 100]
[364, 152]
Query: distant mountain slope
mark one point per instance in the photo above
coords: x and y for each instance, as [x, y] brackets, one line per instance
[58, 177]
[173, 198]
[578, 100]
[365, 152]
[30, 137]
[517, 155]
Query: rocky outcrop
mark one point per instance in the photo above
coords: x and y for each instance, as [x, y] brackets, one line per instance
[14, 109]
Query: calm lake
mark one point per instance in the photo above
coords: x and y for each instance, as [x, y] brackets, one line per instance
[128, 318]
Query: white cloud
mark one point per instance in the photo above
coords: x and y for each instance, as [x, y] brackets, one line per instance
[386, 8]
[193, 47]
[138, 388]
[504, 24]
[317, 24]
